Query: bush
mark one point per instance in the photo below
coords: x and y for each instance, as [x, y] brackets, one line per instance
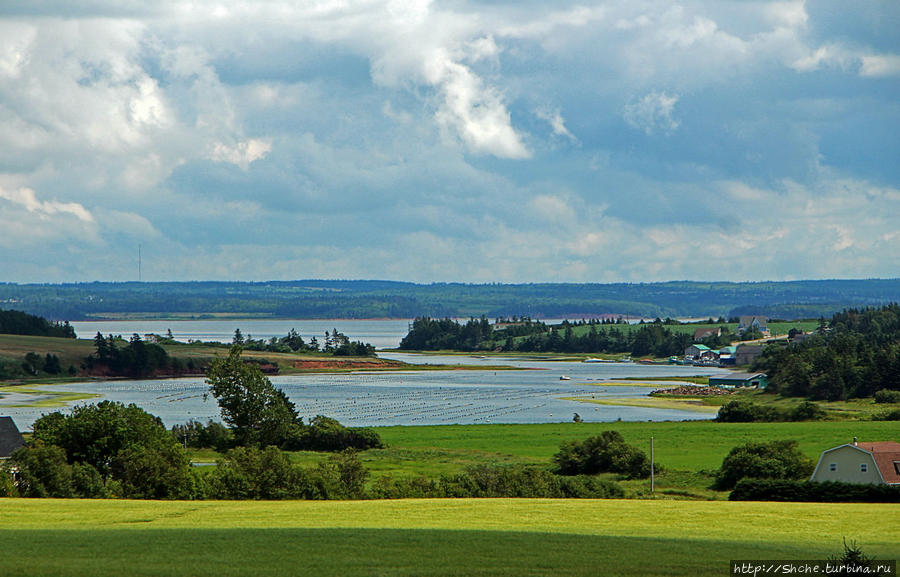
[327, 434]
[154, 473]
[811, 491]
[742, 411]
[105, 443]
[806, 411]
[95, 434]
[887, 396]
[415, 488]
[7, 484]
[518, 481]
[212, 435]
[605, 453]
[893, 415]
[773, 460]
[43, 471]
[252, 473]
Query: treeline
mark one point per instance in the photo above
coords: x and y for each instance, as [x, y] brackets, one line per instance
[386, 299]
[114, 356]
[855, 355]
[654, 339]
[335, 343]
[20, 323]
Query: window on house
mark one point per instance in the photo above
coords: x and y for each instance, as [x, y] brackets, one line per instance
[863, 468]
[832, 467]
[897, 467]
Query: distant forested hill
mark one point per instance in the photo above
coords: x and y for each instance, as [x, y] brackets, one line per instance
[376, 299]
[20, 323]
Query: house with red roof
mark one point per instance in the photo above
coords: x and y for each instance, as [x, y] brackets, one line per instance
[875, 463]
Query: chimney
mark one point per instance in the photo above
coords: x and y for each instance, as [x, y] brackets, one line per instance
[855, 444]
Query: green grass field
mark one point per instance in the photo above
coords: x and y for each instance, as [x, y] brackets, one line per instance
[425, 537]
[691, 445]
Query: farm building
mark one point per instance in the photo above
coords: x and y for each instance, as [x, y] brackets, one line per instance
[735, 380]
[871, 463]
[727, 355]
[10, 437]
[694, 351]
[746, 354]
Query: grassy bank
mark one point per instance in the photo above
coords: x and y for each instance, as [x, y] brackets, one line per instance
[425, 537]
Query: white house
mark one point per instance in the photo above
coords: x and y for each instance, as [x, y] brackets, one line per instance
[872, 463]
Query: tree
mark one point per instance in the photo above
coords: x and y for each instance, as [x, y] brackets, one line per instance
[772, 460]
[51, 364]
[259, 413]
[607, 452]
[95, 434]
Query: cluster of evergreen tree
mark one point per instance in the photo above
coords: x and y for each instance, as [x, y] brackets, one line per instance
[335, 343]
[134, 358]
[856, 354]
[654, 338]
[19, 323]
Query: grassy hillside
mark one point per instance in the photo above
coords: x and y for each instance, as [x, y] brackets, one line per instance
[426, 537]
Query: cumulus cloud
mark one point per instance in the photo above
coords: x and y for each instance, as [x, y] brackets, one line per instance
[27, 198]
[476, 112]
[652, 112]
[367, 128]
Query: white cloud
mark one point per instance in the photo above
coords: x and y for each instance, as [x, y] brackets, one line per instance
[474, 111]
[880, 65]
[27, 198]
[557, 123]
[846, 59]
[242, 154]
[652, 112]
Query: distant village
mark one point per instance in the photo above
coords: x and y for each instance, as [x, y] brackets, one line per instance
[741, 354]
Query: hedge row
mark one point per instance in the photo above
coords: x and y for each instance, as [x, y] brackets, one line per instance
[810, 491]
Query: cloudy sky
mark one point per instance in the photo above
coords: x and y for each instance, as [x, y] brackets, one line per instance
[509, 141]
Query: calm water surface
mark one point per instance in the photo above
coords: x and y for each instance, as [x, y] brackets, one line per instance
[532, 395]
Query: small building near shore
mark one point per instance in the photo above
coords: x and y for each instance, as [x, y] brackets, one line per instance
[737, 380]
[694, 351]
[746, 354]
[865, 463]
[10, 437]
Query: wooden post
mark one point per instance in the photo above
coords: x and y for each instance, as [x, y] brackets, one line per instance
[652, 467]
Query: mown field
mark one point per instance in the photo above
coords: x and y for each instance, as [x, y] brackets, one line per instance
[461, 537]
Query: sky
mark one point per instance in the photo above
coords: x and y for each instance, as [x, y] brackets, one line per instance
[492, 141]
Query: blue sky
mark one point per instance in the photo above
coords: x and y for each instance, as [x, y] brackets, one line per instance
[449, 141]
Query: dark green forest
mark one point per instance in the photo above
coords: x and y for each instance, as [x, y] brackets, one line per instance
[857, 355]
[389, 299]
[20, 323]
[654, 338]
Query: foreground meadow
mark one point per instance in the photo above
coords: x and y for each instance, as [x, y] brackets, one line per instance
[426, 537]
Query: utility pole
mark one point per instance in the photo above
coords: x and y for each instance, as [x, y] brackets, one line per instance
[139, 263]
[652, 467]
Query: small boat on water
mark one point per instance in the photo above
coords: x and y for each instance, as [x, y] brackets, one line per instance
[565, 378]
[593, 360]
